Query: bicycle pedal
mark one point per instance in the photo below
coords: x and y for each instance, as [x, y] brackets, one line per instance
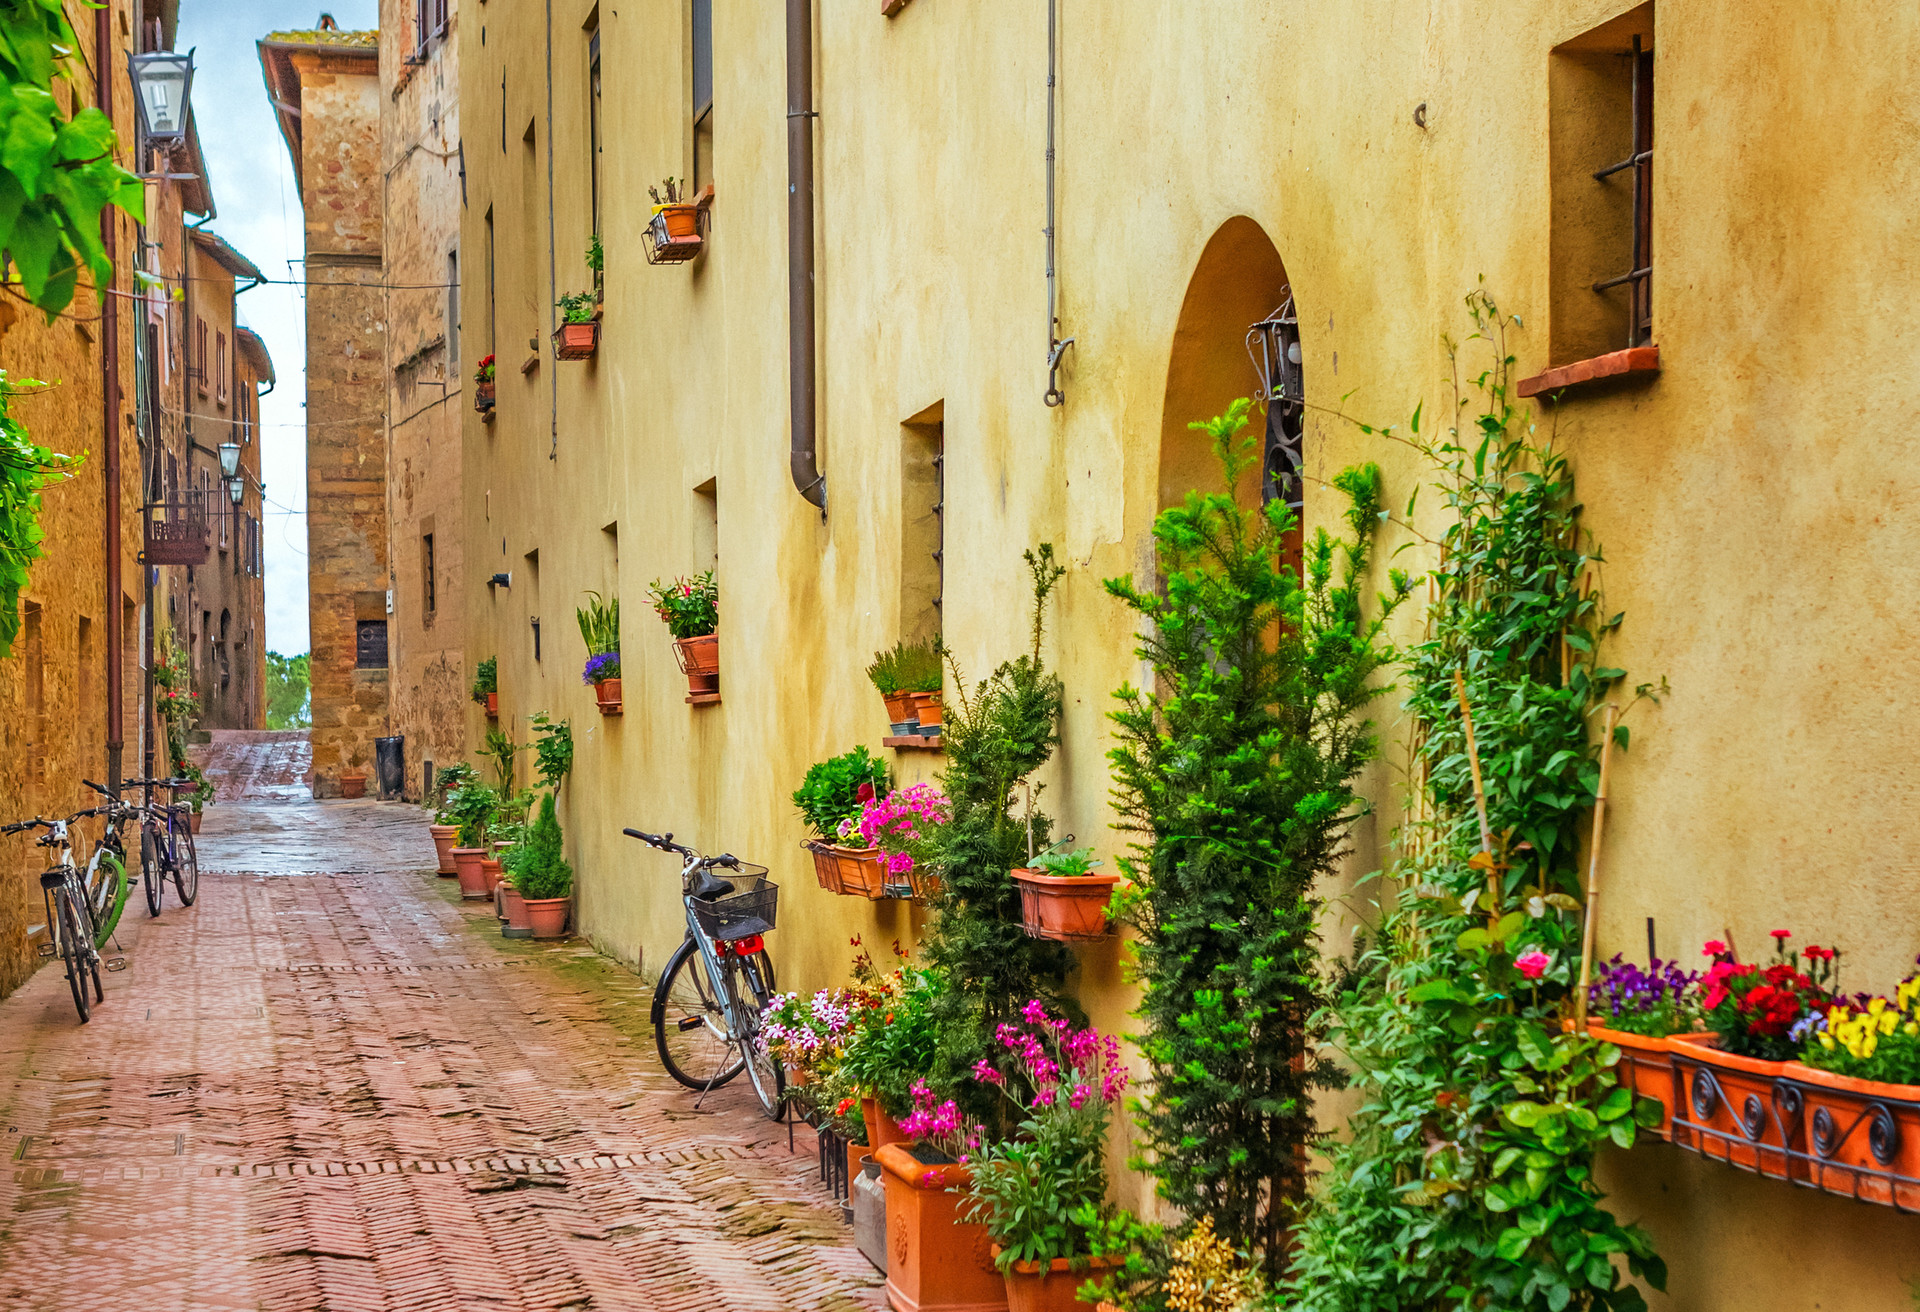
[115, 963]
[46, 949]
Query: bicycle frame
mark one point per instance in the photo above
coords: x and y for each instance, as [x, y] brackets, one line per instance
[738, 1024]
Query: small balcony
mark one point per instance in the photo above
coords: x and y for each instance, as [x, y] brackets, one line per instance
[178, 530]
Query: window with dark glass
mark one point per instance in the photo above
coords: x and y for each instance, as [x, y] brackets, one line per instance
[702, 13]
[370, 645]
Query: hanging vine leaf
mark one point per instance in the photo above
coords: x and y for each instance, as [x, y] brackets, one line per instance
[25, 468]
[56, 173]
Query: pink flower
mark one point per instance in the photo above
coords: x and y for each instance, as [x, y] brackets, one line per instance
[1713, 947]
[1033, 1013]
[984, 1072]
[1533, 964]
[1078, 1098]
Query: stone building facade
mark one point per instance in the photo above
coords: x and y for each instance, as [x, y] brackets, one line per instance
[427, 387]
[1374, 164]
[325, 86]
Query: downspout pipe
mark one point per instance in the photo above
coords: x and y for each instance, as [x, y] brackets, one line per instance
[110, 435]
[803, 455]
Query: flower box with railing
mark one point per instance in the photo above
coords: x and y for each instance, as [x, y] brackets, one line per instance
[180, 533]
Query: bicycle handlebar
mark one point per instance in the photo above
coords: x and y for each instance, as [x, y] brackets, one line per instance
[665, 843]
[23, 825]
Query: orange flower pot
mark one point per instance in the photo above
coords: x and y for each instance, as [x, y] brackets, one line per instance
[1064, 907]
[700, 662]
[193, 818]
[606, 694]
[466, 864]
[483, 396]
[1032, 1287]
[851, 871]
[926, 709]
[443, 846]
[353, 785]
[575, 341]
[1737, 1101]
[490, 871]
[547, 916]
[518, 925]
[935, 1262]
[900, 708]
[1860, 1132]
[855, 1151]
[493, 706]
[882, 1129]
[1645, 1069]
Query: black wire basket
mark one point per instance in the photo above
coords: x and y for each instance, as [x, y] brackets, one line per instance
[750, 909]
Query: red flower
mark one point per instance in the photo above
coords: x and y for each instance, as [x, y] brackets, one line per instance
[865, 792]
[1713, 947]
[1782, 934]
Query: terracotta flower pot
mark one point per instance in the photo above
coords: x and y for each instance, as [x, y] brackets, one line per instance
[353, 785]
[926, 709]
[575, 341]
[882, 1129]
[900, 709]
[193, 817]
[483, 396]
[1064, 907]
[1860, 1132]
[673, 234]
[443, 846]
[826, 866]
[855, 871]
[855, 1151]
[547, 916]
[490, 871]
[1034, 1288]
[935, 1262]
[518, 925]
[683, 221]
[1736, 1107]
[700, 661]
[1646, 1069]
[466, 864]
[493, 706]
[606, 694]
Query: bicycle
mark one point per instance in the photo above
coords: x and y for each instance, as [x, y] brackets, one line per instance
[719, 981]
[67, 919]
[166, 844]
[105, 879]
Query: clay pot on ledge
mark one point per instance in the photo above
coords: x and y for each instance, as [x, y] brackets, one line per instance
[673, 234]
[1065, 908]
[547, 916]
[882, 1129]
[576, 341]
[466, 864]
[493, 706]
[700, 662]
[606, 694]
[1032, 1287]
[518, 925]
[443, 846]
[490, 871]
[926, 709]
[1732, 1096]
[483, 396]
[353, 785]
[935, 1262]
[849, 871]
[901, 717]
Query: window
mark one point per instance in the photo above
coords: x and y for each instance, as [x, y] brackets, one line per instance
[493, 322]
[220, 369]
[200, 353]
[1600, 151]
[36, 699]
[702, 171]
[453, 314]
[426, 572]
[922, 523]
[370, 645]
[593, 126]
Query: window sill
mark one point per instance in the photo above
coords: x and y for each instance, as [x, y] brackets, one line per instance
[1638, 361]
[533, 362]
[913, 743]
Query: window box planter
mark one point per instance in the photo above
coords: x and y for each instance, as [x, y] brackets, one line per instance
[606, 695]
[1032, 1287]
[700, 662]
[576, 341]
[935, 1262]
[466, 864]
[1865, 1137]
[1645, 1069]
[547, 916]
[901, 716]
[1736, 1109]
[483, 396]
[443, 846]
[1065, 908]
[848, 871]
[673, 235]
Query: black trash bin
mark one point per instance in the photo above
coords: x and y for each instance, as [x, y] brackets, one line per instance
[390, 766]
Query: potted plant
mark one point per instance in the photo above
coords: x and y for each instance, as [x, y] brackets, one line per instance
[483, 385]
[1041, 1193]
[899, 674]
[937, 1260]
[600, 628]
[578, 335]
[486, 685]
[473, 807]
[673, 234]
[691, 610]
[201, 792]
[1861, 1071]
[890, 1044]
[542, 874]
[830, 797]
[445, 825]
[905, 828]
[1637, 1011]
[353, 783]
[1062, 899]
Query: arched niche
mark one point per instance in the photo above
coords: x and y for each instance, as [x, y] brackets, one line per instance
[1238, 282]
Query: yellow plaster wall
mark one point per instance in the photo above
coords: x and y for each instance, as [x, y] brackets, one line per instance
[1750, 500]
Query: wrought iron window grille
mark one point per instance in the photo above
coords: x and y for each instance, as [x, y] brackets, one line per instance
[1639, 276]
[1273, 346]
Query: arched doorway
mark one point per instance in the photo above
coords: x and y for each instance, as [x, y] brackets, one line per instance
[1217, 356]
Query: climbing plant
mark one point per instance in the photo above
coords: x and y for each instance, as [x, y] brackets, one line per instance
[995, 739]
[1236, 771]
[25, 469]
[56, 173]
[1466, 1180]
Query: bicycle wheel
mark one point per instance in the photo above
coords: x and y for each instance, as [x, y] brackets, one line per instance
[751, 979]
[73, 951]
[107, 895]
[689, 1025]
[186, 865]
[150, 871]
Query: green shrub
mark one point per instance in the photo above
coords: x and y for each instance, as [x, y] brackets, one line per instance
[486, 679]
[538, 865]
[831, 791]
[473, 806]
[908, 667]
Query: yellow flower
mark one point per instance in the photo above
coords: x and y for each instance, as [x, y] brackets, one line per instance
[1826, 1041]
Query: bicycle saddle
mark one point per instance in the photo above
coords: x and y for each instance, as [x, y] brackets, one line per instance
[710, 886]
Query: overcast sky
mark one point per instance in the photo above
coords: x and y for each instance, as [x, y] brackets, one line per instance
[259, 213]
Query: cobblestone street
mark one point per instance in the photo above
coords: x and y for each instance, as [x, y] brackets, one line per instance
[331, 1085]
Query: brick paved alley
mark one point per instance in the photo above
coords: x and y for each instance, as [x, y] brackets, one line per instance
[332, 1085]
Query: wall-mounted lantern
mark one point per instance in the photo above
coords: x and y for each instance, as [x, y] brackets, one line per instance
[163, 79]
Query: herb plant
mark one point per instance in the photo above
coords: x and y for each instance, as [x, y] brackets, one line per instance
[25, 469]
[486, 679]
[576, 307]
[500, 748]
[690, 607]
[1237, 775]
[1066, 865]
[908, 667]
[473, 806]
[834, 790]
[538, 865]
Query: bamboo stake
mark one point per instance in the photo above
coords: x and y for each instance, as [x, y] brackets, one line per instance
[1480, 804]
[1593, 873]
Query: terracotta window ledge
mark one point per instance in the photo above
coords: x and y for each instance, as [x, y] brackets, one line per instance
[1636, 361]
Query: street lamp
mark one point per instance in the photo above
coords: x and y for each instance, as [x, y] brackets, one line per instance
[229, 459]
[163, 79]
[236, 489]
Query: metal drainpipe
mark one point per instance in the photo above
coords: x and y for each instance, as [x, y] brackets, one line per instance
[553, 269]
[803, 456]
[1055, 347]
[110, 421]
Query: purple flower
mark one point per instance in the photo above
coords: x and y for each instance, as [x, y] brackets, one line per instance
[600, 668]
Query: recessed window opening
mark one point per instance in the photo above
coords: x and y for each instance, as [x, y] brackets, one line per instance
[702, 24]
[923, 538]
